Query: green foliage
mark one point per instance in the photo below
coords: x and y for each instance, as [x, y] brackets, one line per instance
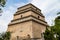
[6, 36]
[1, 39]
[2, 4]
[49, 34]
[57, 26]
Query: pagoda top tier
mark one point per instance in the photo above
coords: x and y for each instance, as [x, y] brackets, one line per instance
[28, 7]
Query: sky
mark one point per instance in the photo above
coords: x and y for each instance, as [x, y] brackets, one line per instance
[49, 9]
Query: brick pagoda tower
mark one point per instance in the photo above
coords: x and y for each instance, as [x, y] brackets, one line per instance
[28, 22]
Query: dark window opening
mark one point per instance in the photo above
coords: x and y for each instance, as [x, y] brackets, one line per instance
[17, 37]
[38, 17]
[21, 16]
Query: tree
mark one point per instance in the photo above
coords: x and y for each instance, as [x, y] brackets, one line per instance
[2, 4]
[54, 32]
[5, 36]
[49, 35]
[57, 27]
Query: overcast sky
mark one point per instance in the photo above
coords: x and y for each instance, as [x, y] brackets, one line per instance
[49, 9]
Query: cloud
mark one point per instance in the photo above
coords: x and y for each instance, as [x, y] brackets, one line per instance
[7, 15]
[49, 8]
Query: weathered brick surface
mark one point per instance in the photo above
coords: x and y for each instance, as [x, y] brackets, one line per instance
[26, 24]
